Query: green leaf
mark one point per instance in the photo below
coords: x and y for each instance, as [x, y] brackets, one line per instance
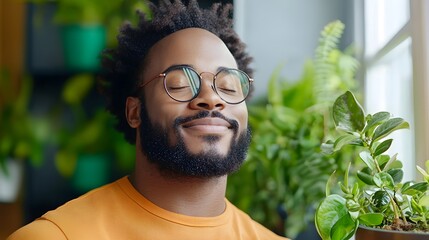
[330, 210]
[384, 179]
[65, 162]
[424, 173]
[415, 188]
[346, 175]
[344, 140]
[328, 184]
[388, 127]
[397, 174]
[327, 148]
[393, 163]
[424, 201]
[366, 178]
[368, 160]
[371, 219]
[348, 114]
[382, 147]
[76, 88]
[344, 228]
[375, 120]
[382, 161]
[416, 207]
[274, 91]
[380, 199]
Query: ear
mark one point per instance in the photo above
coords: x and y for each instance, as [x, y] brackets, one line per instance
[132, 111]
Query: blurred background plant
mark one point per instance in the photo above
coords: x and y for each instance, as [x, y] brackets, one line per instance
[87, 27]
[88, 146]
[21, 134]
[109, 14]
[284, 177]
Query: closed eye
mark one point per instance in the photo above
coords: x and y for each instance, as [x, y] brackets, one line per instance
[178, 88]
[228, 91]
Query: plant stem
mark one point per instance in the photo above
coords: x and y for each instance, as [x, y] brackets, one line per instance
[396, 208]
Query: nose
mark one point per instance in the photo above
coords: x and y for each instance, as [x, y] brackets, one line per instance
[207, 99]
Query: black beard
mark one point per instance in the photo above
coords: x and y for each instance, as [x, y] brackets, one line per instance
[176, 161]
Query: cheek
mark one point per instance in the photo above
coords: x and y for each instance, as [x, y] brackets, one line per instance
[160, 108]
[242, 116]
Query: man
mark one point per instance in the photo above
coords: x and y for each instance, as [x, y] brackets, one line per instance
[175, 86]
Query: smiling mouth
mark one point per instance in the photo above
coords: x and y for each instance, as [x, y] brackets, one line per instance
[209, 125]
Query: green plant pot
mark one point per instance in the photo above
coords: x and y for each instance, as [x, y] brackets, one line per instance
[82, 45]
[92, 171]
[366, 233]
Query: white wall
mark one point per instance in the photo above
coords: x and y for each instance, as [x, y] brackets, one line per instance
[286, 31]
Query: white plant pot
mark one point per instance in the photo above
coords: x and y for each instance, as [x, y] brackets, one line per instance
[10, 183]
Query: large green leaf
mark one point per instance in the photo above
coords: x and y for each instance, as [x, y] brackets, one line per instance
[348, 114]
[371, 219]
[330, 210]
[344, 228]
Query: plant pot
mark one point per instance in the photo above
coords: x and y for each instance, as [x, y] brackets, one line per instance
[10, 182]
[92, 171]
[82, 45]
[367, 233]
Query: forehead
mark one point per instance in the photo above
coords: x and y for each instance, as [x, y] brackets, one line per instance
[193, 46]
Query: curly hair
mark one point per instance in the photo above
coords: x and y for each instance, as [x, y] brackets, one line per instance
[122, 66]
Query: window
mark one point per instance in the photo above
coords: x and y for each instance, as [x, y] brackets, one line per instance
[392, 81]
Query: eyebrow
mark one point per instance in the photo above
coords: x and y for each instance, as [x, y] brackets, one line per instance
[191, 66]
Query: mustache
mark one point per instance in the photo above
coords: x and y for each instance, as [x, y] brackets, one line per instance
[204, 114]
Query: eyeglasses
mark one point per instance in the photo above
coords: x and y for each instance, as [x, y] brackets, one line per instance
[182, 83]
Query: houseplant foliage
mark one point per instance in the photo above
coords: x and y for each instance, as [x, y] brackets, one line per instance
[109, 14]
[379, 198]
[21, 134]
[282, 180]
[88, 132]
[86, 27]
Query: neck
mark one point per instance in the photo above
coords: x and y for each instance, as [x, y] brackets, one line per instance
[200, 197]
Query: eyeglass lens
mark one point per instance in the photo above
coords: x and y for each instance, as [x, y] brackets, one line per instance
[183, 84]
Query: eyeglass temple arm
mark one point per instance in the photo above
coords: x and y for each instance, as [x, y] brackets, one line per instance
[142, 85]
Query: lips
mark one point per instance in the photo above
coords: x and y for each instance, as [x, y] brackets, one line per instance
[208, 124]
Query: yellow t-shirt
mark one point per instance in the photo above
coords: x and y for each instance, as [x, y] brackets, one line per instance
[117, 211]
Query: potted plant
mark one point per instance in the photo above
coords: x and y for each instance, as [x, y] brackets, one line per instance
[288, 127]
[87, 143]
[86, 27]
[378, 205]
[21, 135]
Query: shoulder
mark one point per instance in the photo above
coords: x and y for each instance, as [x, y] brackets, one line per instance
[87, 208]
[75, 215]
[39, 229]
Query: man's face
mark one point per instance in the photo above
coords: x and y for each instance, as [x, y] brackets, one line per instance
[204, 137]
